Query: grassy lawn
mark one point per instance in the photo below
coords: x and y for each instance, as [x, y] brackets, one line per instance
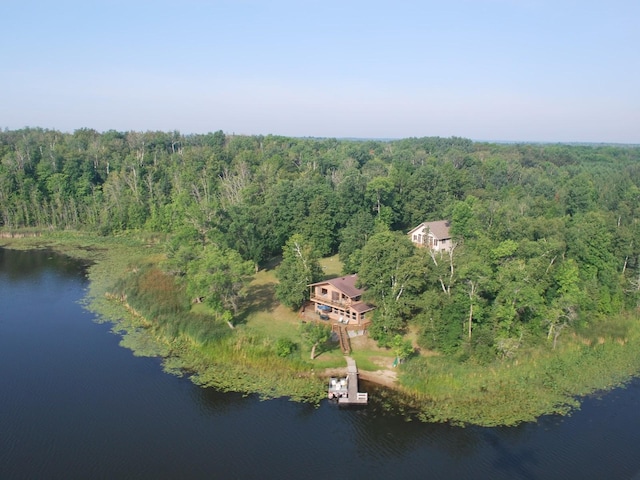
[264, 315]
[331, 266]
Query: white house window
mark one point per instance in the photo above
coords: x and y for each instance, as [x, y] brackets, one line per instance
[435, 242]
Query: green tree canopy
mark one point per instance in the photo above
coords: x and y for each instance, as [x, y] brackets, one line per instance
[298, 269]
[315, 334]
[390, 272]
[219, 276]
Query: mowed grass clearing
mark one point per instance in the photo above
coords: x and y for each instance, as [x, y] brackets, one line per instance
[268, 318]
[265, 314]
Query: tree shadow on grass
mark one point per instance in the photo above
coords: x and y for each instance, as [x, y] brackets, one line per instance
[272, 263]
[261, 298]
[331, 346]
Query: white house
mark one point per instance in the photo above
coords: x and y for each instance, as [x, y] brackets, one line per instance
[434, 235]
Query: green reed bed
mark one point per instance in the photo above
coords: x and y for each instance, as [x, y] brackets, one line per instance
[212, 353]
[248, 364]
[509, 392]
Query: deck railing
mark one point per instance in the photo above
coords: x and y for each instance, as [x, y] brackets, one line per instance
[329, 301]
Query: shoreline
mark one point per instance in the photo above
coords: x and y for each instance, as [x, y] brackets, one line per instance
[385, 378]
[506, 393]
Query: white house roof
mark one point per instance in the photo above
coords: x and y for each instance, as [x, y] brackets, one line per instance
[439, 229]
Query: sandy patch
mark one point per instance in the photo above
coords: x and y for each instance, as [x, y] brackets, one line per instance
[386, 378]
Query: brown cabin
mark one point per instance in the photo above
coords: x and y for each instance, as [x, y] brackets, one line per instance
[339, 299]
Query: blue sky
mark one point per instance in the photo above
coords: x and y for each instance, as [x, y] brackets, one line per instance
[505, 70]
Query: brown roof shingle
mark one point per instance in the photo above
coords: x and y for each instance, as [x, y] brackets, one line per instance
[346, 285]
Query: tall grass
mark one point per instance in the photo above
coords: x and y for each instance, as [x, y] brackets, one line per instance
[240, 360]
[540, 383]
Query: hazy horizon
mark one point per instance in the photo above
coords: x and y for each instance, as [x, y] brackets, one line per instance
[354, 139]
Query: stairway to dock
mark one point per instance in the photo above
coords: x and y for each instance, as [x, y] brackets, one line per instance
[343, 335]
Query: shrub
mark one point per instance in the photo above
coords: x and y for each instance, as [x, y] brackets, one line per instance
[285, 347]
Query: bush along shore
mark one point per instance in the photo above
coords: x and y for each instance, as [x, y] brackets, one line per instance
[152, 313]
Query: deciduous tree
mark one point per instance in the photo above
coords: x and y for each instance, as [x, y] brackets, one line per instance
[298, 269]
[315, 335]
[390, 272]
[219, 276]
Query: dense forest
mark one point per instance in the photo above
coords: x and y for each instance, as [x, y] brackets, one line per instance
[546, 236]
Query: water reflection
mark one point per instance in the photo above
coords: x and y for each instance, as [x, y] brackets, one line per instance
[514, 462]
[24, 265]
[215, 402]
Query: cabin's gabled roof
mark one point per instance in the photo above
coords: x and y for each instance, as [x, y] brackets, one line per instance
[346, 285]
[439, 229]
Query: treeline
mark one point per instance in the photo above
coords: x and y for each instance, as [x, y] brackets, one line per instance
[546, 235]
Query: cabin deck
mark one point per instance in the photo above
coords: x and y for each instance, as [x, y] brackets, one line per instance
[309, 313]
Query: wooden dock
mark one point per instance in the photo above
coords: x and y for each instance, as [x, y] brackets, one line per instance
[346, 390]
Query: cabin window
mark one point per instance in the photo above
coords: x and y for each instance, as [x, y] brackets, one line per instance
[335, 296]
[323, 292]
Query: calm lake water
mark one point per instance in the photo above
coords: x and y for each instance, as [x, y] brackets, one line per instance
[76, 405]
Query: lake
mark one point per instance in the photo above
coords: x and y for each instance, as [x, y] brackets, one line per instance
[75, 404]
